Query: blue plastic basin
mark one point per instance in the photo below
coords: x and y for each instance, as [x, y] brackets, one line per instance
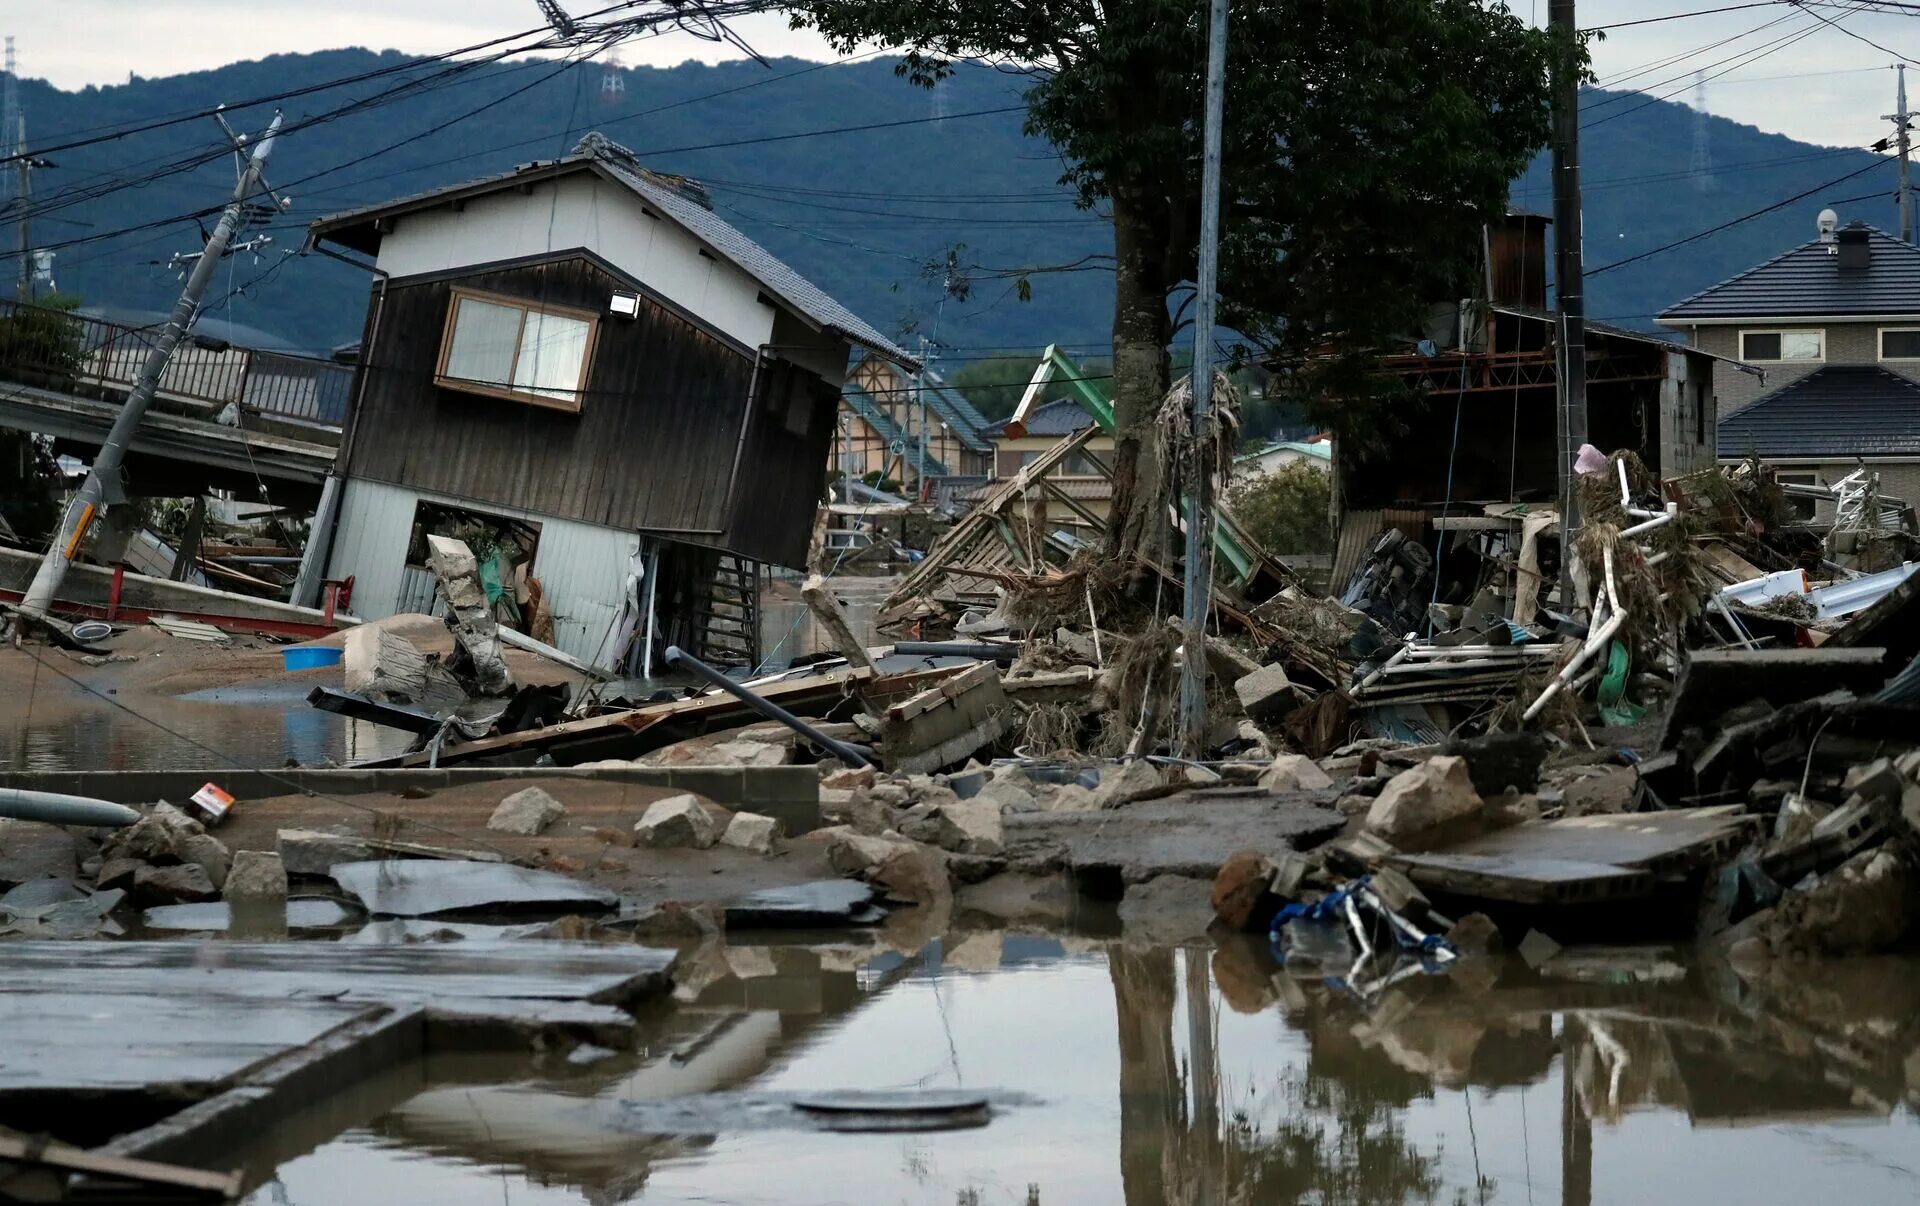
[307, 658]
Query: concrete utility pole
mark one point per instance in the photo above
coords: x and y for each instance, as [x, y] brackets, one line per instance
[1570, 288]
[1199, 567]
[1902, 139]
[23, 291]
[102, 489]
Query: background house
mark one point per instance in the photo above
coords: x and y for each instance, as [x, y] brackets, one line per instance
[1082, 476]
[1835, 325]
[580, 356]
[887, 414]
[1276, 454]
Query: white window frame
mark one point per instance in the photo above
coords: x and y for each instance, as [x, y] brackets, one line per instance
[571, 404]
[1783, 332]
[1881, 342]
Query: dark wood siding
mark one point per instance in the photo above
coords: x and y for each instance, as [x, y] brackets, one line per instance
[783, 465]
[651, 449]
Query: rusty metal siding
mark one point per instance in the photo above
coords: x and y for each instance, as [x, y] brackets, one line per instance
[652, 447]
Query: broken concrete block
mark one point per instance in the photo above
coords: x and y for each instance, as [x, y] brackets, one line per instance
[1475, 934]
[206, 852]
[257, 877]
[1127, 782]
[1069, 797]
[1239, 886]
[946, 723]
[1865, 905]
[1267, 695]
[176, 819]
[1200, 776]
[904, 870]
[1294, 772]
[314, 851]
[1291, 869]
[681, 820]
[1435, 792]
[1260, 746]
[148, 839]
[750, 831]
[960, 826]
[117, 873]
[1536, 948]
[185, 883]
[1010, 795]
[1877, 781]
[848, 777]
[1497, 761]
[526, 812]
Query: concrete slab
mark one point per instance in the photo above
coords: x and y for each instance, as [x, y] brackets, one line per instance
[1189, 833]
[827, 902]
[430, 888]
[77, 1038]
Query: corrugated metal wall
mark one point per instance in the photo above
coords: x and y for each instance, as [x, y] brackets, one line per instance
[582, 568]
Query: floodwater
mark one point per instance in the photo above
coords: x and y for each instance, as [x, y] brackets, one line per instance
[250, 726]
[1148, 1075]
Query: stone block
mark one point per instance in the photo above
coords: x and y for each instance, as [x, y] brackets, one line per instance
[1294, 772]
[1435, 792]
[526, 812]
[682, 820]
[257, 877]
[750, 831]
[1267, 695]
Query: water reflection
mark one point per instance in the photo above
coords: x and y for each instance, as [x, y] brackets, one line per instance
[1188, 1076]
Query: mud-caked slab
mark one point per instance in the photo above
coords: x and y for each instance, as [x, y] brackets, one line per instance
[435, 888]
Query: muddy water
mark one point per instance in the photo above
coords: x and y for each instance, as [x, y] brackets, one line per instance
[1157, 1076]
[255, 726]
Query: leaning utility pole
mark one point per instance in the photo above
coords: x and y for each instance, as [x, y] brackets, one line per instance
[1570, 288]
[102, 489]
[1904, 141]
[1199, 566]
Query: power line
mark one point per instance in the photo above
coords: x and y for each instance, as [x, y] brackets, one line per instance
[1698, 12]
[1712, 230]
[548, 40]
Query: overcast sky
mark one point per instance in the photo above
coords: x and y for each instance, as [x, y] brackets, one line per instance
[1796, 76]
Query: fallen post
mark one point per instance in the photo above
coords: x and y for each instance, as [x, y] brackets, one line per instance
[681, 660]
[826, 609]
[373, 711]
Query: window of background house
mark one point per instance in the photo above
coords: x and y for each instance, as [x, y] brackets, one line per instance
[510, 349]
[1900, 343]
[1782, 345]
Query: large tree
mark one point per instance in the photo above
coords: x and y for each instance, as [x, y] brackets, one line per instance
[1365, 142]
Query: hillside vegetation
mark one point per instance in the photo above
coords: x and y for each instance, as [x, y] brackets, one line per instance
[873, 216]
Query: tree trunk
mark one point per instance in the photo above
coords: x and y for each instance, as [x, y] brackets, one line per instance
[1138, 526]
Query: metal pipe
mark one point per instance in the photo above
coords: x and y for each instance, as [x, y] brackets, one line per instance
[57, 809]
[848, 754]
[1003, 654]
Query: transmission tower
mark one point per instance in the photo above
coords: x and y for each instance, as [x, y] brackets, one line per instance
[613, 81]
[1702, 164]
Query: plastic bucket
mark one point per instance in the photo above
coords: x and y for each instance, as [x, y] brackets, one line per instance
[309, 657]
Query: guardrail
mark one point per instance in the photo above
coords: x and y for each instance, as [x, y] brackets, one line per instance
[60, 350]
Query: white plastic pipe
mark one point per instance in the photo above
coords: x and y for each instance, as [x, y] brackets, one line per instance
[1594, 644]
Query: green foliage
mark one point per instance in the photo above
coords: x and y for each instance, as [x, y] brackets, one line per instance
[28, 478]
[994, 386]
[1286, 510]
[39, 344]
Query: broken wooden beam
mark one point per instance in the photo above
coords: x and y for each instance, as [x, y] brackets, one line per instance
[827, 610]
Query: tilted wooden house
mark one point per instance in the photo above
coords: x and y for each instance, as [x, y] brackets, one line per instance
[581, 359]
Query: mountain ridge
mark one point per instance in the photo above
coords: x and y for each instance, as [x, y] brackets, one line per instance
[874, 216]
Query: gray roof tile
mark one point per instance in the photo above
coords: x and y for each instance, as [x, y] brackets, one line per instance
[1063, 416]
[1839, 411]
[1808, 281]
